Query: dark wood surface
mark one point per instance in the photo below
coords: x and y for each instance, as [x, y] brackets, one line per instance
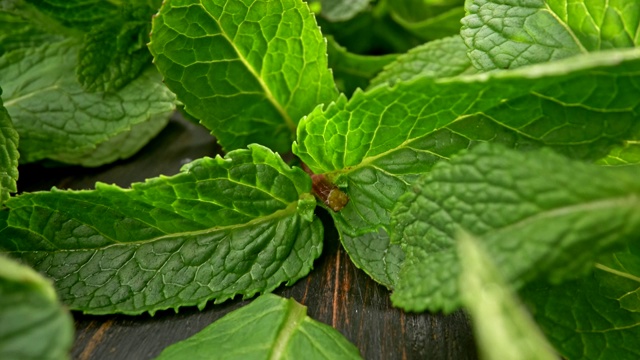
[335, 292]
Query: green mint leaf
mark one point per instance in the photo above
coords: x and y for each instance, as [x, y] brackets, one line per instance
[236, 225]
[503, 327]
[249, 70]
[352, 71]
[342, 10]
[8, 155]
[16, 33]
[379, 141]
[507, 34]
[581, 322]
[429, 20]
[81, 14]
[619, 277]
[439, 58]
[269, 328]
[61, 121]
[537, 214]
[34, 324]
[115, 52]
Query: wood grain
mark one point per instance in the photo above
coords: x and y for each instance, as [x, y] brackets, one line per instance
[335, 292]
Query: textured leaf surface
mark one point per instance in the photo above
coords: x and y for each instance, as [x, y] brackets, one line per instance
[249, 70]
[82, 14]
[503, 327]
[115, 52]
[504, 34]
[16, 32]
[35, 326]
[537, 214]
[239, 225]
[8, 155]
[352, 71]
[269, 328]
[626, 154]
[65, 123]
[619, 277]
[582, 322]
[378, 142]
[341, 10]
[436, 59]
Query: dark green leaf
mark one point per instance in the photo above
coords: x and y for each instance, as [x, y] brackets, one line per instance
[508, 34]
[352, 71]
[8, 155]
[428, 19]
[59, 120]
[269, 328]
[379, 141]
[249, 70]
[537, 214]
[115, 52]
[82, 14]
[503, 327]
[582, 322]
[619, 277]
[34, 324]
[236, 225]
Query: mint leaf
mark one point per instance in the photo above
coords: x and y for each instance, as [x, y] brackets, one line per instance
[352, 71]
[538, 214]
[581, 323]
[115, 52]
[508, 34]
[502, 326]
[429, 20]
[61, 121]
[34, 324]
[626, 154]
[439, 58]
[81, 14]
[379, 141]
[270, 327]
[342, 10]
[236, 225]
[248, 70]
[8, 155]
[16, 32]
[619, 277]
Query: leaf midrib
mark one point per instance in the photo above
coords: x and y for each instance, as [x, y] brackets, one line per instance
[291, 208]
[267, 91]
[293, 318]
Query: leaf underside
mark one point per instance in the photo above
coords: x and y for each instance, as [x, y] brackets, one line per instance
[65, 123]
[226, 226]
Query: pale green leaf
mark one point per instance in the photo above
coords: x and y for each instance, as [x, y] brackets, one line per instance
[537, 214]
[8, 155]
[581, 322]
[379, 141]
[619, 277]
[61, 121]
[341, 10]
[508, 34]
[626, 154]
[249, 70]
[352, 71]
[34, 324]
[436, 59]
[226, 226]
[269, 328]
[502, 326]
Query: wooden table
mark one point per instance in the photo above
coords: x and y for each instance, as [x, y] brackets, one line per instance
[336, 292]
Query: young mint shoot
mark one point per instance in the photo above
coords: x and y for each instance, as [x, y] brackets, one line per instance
[462, 148]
